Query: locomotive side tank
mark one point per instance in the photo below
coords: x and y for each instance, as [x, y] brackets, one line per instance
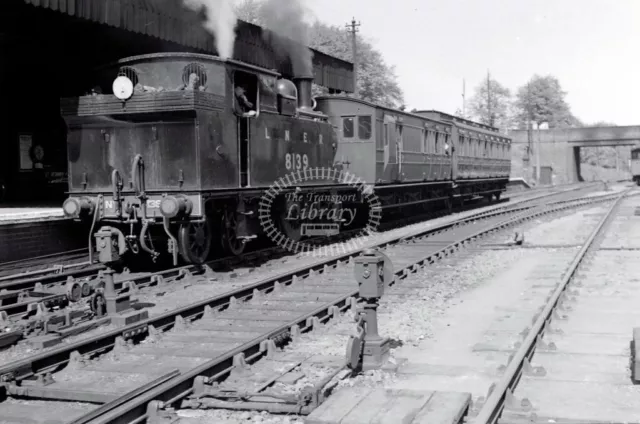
[162, 156]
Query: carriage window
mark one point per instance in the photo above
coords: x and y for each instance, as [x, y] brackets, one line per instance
[364, 127]
[424, 141]
[635, 154]
[347, 127]
[436, 148]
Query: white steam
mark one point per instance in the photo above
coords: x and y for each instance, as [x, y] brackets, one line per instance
[221, 22]
[285, 18]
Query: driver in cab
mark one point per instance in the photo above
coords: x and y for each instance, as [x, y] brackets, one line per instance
[243, 106]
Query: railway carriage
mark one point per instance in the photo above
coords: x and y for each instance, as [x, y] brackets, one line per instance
[161, 160]
[418, 158]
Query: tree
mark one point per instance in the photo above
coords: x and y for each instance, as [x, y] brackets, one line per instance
[490, 104]
[542, 101]
[377, 81]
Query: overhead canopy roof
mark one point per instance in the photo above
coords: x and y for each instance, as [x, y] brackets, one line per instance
[170, 21]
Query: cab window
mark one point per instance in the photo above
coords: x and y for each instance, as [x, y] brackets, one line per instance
[247, 84]
[268, 96]
[364, 127]
[348, 126]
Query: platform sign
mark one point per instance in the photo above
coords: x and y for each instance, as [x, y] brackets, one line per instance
[26, 142]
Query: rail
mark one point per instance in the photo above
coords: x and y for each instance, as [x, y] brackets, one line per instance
[493, 406]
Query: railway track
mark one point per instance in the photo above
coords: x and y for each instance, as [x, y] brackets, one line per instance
[43, 264]
[80, 280]
[168, 358]
[574, 363]
[65, 319]
[70, 308]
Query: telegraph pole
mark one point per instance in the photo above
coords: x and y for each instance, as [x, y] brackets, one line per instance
[353, 30]
[529, 119]
[489, 119]
[464, 100]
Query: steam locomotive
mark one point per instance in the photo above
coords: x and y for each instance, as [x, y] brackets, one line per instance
[164, 163]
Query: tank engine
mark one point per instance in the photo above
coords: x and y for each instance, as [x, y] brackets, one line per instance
[163, 160]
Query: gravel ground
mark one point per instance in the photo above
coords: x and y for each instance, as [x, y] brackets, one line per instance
[161, 299]
[613, 188]
[624, 230]
[415, 310]
[571, 229]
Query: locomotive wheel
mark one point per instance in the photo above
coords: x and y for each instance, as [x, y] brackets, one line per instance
[194, 241]
[230, 241]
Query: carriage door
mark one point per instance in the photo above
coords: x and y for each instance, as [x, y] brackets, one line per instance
[399, 151]
[456, 150]
[390, 149]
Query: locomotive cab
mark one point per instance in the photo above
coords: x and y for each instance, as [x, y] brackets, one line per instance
[164, 153]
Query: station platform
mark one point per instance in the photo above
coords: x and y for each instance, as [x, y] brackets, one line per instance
[27, 232]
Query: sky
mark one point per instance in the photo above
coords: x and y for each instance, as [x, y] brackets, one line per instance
[591, 46]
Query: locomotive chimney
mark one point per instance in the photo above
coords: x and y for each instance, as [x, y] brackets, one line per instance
[303, 84]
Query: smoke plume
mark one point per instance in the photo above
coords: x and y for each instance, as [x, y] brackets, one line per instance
[285, 19]
[221, 22]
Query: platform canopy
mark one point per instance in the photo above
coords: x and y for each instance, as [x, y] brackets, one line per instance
[169, 20]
